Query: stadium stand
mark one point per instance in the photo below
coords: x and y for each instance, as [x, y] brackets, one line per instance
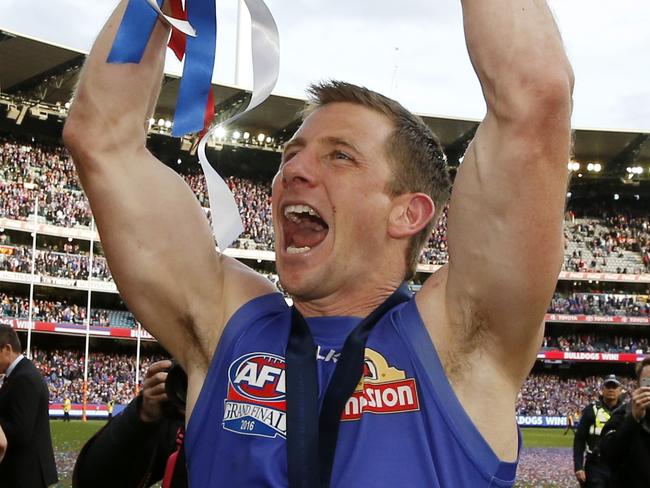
[549, 394]
[111, 375]
[596, 241]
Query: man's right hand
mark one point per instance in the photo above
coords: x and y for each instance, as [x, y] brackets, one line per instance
[153, 393]
[581, 476]
[640, 402]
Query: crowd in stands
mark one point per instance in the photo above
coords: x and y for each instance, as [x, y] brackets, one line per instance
[605, 237]
[28, 172]
[66, 264]
[54, 311]
[598, 304]
[547, 394]
[606, 304]
[111, 376]
[597, 343]
[47, 172]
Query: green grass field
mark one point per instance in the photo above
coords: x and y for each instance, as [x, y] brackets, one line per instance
[69, 437]
[541, 437]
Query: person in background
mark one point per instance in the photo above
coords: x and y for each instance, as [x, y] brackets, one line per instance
[572, 420]
[109, 407]
[67, 404]
[24, 419]
[134, 448]
[625, 439]
[590, 470]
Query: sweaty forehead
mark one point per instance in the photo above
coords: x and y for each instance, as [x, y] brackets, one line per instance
[365, 127]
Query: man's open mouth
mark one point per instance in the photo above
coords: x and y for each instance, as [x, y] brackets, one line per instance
[304, 228]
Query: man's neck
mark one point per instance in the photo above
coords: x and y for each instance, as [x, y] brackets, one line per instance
[14, 361]
[356, 303]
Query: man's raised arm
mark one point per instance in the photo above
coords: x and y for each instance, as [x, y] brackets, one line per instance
[506, 209]
[156, 237]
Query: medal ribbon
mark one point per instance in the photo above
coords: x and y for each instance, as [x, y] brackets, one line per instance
[194, 37]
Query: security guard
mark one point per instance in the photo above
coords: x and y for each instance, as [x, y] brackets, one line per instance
[590, 470]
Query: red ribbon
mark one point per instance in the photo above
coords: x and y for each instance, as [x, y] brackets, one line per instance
[177, 43]
[177, 39]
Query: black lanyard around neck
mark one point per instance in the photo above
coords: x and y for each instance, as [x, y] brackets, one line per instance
[311, 439]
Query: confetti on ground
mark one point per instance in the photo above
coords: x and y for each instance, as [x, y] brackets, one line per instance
[546, 467]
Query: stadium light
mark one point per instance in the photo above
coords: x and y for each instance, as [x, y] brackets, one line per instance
[220, 133]
[260, 137]
[236, 135]
[597, 167]
[269, 140]
[67, 105]
[568, 194]
[152, 121]
[168, 124]
[247, 136]
[616, 196]
[161, 122]
[178, 161]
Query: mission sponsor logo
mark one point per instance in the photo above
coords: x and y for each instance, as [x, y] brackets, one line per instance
[382, 390]
[255, 402]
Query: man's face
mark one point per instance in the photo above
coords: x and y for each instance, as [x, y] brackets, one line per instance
[330, 201]
[611, 392]
[6, 358]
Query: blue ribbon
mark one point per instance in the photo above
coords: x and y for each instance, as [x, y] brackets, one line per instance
[198, 68]
[131, 41]
[134, 32]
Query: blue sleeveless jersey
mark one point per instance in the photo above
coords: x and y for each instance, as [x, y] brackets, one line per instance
[403, 426]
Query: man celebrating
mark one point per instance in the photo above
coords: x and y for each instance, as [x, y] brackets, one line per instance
[591, 470]
[358, 191]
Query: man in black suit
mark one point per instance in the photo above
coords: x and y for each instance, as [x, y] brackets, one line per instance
[29, 458]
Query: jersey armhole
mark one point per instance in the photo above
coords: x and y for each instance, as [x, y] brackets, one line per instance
[421, 347]
[236, 327]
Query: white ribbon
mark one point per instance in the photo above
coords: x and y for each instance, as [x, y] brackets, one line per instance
[178, 24]
[226, 221]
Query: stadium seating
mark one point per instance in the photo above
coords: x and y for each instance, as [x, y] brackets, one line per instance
[598, 242]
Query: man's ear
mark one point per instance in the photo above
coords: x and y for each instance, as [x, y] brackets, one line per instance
[410, 213]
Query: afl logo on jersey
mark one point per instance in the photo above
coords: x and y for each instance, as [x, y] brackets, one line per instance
[255, 403]
[259, 376]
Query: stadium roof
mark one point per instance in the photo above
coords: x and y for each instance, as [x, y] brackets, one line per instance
[35, 71]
